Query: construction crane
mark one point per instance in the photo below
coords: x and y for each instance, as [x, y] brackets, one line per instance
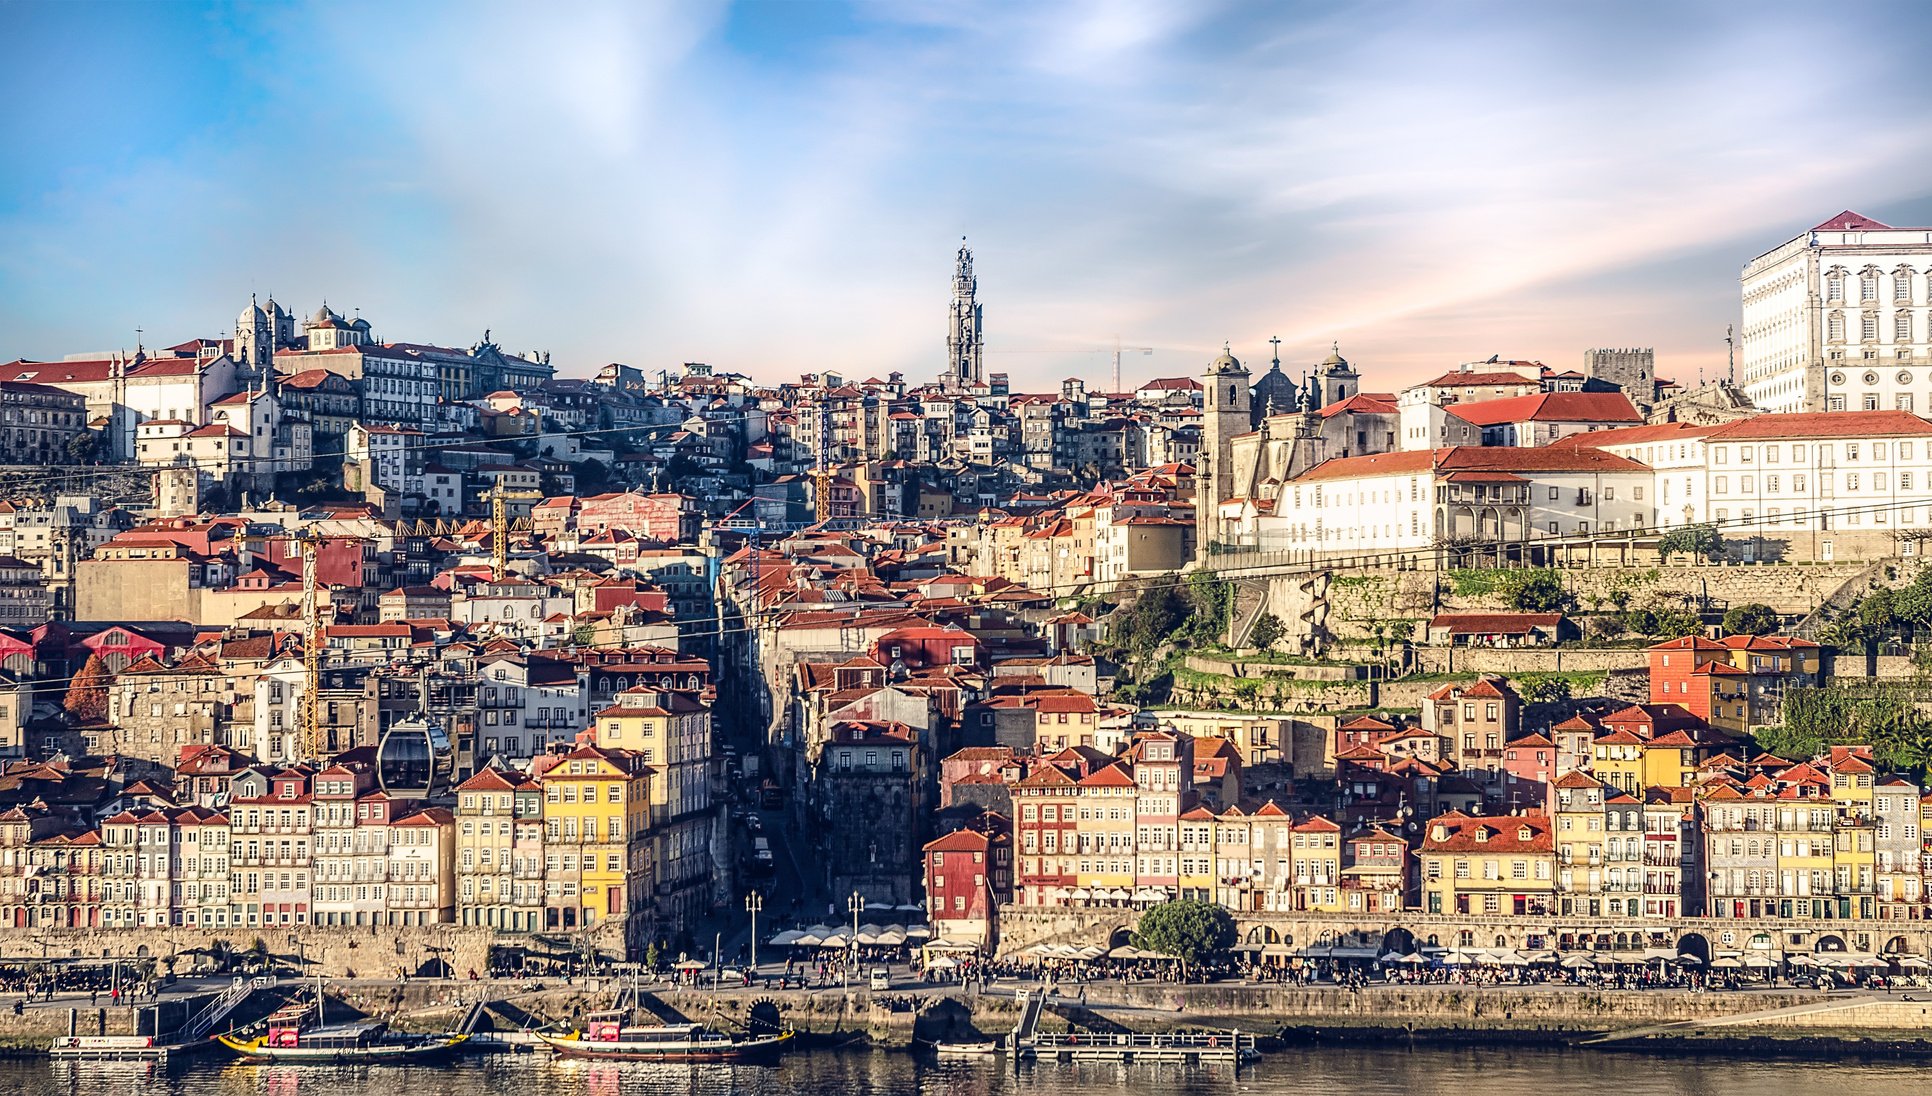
[822, 462]
[310, 543]
[500, 528]
[1116, 351]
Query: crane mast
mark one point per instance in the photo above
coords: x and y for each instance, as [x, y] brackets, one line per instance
[311, 649]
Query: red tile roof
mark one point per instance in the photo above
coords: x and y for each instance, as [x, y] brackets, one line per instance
[1823, 424]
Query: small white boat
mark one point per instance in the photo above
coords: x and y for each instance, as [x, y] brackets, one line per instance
[986, 1049]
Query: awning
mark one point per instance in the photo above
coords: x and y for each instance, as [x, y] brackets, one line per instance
[918, 930]
[1913, 962]
[1727, 964]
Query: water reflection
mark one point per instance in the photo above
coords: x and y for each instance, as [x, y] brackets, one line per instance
[1390, 1070]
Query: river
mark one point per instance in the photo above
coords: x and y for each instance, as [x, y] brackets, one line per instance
[1354, 1071]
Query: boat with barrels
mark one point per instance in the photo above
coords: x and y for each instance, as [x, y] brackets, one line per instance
[666, 1043]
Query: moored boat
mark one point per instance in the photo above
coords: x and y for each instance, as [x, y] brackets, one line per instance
[984, 1049]
[669, 1043]
[370, 1041]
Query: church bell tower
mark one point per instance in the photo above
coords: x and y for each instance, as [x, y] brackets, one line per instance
[1224, 414]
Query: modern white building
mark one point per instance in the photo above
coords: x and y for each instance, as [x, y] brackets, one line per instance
[1836, 319]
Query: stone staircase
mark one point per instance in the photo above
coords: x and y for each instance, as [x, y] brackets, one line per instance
[1848, 594]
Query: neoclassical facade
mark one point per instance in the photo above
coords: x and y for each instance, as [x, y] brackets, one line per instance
[1838, 318]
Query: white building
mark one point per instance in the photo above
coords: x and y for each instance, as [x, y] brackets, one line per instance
[1836, 319]
[1504, 502]
[1856, 485]
[1674, 452]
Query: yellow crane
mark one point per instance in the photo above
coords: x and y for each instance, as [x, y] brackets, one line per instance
[500, 528]
[310, 543]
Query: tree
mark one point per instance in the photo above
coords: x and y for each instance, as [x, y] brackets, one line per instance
[83, 447]
[1189, 929]
[1751, 619]
[1267, 631]
[1537, 592]
[1691, 540]
[584, 635]
[86, 701]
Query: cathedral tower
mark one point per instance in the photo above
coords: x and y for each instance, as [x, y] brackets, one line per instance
[1224, 414]
[964, 342]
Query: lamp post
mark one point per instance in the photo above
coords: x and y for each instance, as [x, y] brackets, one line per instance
[754, 902]
[856, 904]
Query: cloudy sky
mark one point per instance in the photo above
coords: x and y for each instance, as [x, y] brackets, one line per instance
[778, 188]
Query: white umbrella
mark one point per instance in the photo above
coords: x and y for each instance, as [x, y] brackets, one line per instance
[1512, 958]
[807, 939]
[1913, 962]
[1687, 957]
[1802, 961]
[1125, 951]
[941, 963]
[1092, 951]
[786, 939]
[892, 937]
[692, 964]
[1726, 964]
[1759, 961]
[836, 940]
[1578, 962]
[918, 930]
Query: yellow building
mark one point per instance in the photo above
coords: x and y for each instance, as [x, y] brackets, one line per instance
[597, 811]
[1104, 829]
[1197, 855]
[670, 731]
[1502, 864]
[1617, 759]
[1576, 810]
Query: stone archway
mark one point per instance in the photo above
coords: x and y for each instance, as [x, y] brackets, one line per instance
[1398, 940]
[1120, 937]
[1263, 934]
[1694, 943]
[1827, 942]
[1897, 945]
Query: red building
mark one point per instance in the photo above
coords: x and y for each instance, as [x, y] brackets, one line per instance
[1698, 674]
[969, 873]
[922, 646]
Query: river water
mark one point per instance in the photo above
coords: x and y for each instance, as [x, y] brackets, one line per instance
[1395, 1070]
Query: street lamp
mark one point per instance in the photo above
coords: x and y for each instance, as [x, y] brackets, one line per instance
[754, 902]
[856, 904]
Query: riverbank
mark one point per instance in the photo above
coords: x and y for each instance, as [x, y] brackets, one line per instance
[1783, 1021]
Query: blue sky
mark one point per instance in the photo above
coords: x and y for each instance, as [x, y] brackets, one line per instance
[778, 187]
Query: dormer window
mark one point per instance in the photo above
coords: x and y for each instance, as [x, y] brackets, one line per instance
[1523, 834]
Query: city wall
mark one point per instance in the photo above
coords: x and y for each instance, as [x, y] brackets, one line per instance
[370, 952]
[1021, 928]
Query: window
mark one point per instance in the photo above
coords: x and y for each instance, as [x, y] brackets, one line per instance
[1902, 327]
[1835, 327]
[1868, 327]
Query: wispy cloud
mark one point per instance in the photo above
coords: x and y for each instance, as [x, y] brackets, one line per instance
[777, 187]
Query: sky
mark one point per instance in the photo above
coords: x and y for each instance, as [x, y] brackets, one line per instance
[778, 187]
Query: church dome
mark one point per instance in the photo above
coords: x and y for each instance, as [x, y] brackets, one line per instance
[322, 315]
[1226, 363]
[1335, 360]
